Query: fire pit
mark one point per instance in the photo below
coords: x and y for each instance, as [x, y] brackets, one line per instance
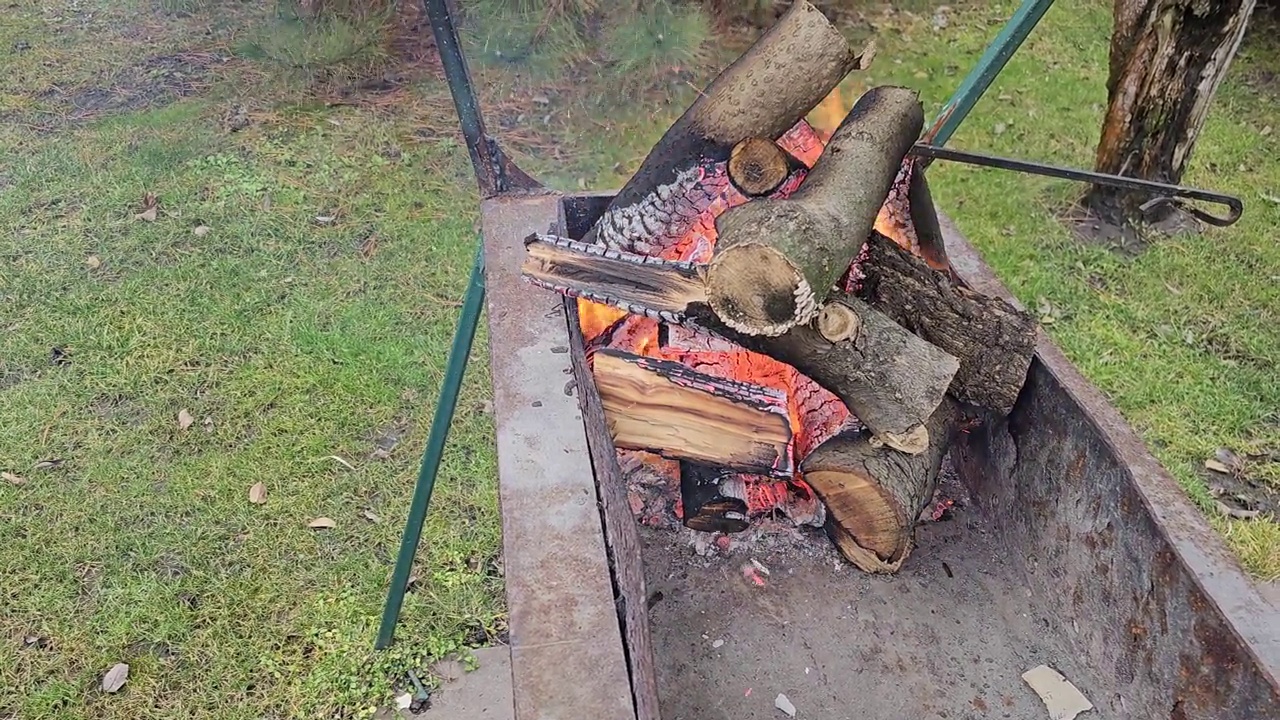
[646, 395]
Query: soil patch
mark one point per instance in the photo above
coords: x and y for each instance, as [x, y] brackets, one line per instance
[151, 83]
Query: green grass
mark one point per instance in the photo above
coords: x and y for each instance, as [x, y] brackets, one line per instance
[288, 345]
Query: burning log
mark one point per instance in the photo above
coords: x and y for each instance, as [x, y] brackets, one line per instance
[762, 94]
[757, 166]
[993, 341]
[663, 406]
[874, 494]
[889, 378]
[776, 259]
[706, 508]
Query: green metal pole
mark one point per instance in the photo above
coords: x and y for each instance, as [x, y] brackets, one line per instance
[989, 66]
[454, 371]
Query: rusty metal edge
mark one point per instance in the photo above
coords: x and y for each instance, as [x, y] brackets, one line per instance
[1251, 615]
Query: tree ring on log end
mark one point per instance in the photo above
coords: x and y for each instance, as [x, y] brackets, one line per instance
[756, 290]
[757, 166]
[863, 503]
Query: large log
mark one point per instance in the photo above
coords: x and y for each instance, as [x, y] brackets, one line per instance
[874, 494]
[889, 378]
[788, 70]
[663, 406]
[777, 259]
[993, 340]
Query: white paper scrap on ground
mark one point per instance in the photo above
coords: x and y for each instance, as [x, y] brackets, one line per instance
[1060, 697]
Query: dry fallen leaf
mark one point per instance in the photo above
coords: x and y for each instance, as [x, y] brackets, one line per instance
[1217, 466]
[1229, 458]
[184, 419]
[115, 677]
[93, 262]
[48, 464]
[12, 479]
[1236, 513]
[201, 230]
[370, 516]
[322, 523]
[258, 494]
[150, 208]
[369, 246]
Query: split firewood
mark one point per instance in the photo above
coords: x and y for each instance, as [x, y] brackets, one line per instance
[764, 93]
[706, 508]
[875, 494]
[775, 260]
[911, 218]
[889, 378]
[663, 406]
[993, 340]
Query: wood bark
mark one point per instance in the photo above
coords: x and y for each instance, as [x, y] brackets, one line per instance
[875, 494]
[621, 538]
[889, 378]
[993, 341]
[788, 70]
[776, 259]
[705, 507]
[665, 407]
[1168, 58]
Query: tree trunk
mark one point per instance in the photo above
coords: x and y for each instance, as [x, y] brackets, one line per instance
[1167, 59]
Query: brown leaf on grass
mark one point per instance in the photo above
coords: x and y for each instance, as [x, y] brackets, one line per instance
[93, 262]
[1236, 513]
[369, 246]
[201, 230]
[184, 419]
[370, 516]
[322, 523]
[49, 464]
[12, 479]
[258, 493]
[115, 677]
[1229, 458]
[150, 208]
[1217, 466]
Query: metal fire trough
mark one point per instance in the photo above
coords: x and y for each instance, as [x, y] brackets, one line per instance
[1079, 551]
[1076, 550]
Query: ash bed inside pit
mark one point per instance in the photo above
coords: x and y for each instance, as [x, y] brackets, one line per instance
[948, 636]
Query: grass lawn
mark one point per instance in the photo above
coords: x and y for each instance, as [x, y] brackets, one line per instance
[284, 320]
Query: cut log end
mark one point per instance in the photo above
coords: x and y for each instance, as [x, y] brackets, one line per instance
[757, 166]
[756, 290]
[838, 322]
[874, 493]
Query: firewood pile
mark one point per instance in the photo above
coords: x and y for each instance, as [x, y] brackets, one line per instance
[758, 302]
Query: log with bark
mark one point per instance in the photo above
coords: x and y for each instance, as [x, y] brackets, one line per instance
[874, 494]
[770, 88]
[1168, 58]
[776, 259]
[993, 341]
[664, 407]
[889, 378]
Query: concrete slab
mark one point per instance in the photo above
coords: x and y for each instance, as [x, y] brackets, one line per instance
[482, 694]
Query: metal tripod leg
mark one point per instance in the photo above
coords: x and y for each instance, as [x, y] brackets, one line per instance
[989, 66]
[456, 367]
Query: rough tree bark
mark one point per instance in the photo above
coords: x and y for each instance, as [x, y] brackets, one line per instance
[1167, 59]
